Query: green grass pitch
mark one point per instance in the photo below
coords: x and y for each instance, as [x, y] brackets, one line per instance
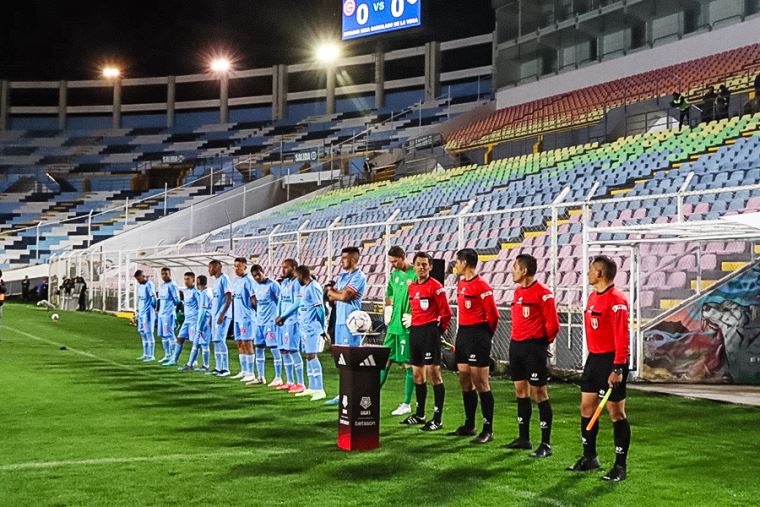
[89, 425]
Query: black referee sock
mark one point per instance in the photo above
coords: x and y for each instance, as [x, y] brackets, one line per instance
[470, 407]
[486, 405]
[545, 415]
[439, 393]
[622, 434]
[524, 410]
[589, 437]
[421, 390]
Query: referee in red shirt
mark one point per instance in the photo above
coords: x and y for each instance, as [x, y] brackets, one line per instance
[429, 319]
[606, 323]
[535, 325]
[478, 318]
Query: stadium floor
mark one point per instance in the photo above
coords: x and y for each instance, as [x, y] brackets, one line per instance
[89, 425]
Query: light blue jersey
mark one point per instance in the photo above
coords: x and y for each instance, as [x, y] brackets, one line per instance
[288, 305]
[357, 280]
[146, 300]
[267, 296]
[169, 297]
[310, 309]
[221, 287]
[191, 302]
[242, 290]
[205, 315]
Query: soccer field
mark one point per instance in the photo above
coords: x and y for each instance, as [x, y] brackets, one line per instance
[89, 425]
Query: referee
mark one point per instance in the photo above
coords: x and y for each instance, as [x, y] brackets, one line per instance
[535, 325]
[478, 318]
[606, 323]
[429, 319]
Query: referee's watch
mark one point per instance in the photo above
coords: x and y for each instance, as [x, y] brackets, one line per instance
[618, 370]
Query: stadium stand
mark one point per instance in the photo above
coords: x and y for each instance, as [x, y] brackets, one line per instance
[735, 68]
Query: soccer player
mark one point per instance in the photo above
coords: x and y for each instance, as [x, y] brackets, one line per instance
[397, 336]
[267, 295]
[429, 319]
[311, 325]
[203, 326]
[146, 315]
[288, 335]
[220, 311]
[535, 325]
[478, 318]
[242, 312]
[347, 295]
[168, 296]
[189, 325]
[606, 324]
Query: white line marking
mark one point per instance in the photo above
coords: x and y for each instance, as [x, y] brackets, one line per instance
[35, 465]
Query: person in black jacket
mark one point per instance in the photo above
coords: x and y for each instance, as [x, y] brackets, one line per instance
[708, 104]
[722, 102]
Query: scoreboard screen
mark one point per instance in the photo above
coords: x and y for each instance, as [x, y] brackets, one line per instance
[362, 18]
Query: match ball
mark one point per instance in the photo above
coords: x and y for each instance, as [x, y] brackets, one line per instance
[54, 317]
[358, 322]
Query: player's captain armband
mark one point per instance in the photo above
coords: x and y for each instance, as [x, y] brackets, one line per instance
[619, 307]
[486, 294]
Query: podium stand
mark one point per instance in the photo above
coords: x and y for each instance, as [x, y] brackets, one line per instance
[359, 405]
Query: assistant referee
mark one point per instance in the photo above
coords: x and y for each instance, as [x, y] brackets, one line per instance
[606, 324]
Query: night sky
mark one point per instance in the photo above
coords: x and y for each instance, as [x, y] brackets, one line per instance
[70, 39]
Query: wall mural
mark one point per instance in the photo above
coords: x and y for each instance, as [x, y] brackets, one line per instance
[715, 339]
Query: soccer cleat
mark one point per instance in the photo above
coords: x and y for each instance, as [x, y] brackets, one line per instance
[239, 375]
[317, 395]
[585, 464]
[284, 387]
[142, 357]
[519, 443]
[483, 438]
[616, 474]
[542, 451]
[276, 382]
[169, 363]
[307, 392]
[256, 382]
[164, 359]
[213, 372]
[187, 367]
[248, 378]
[412, 420]
[149, 359]
[333, 401]
[402, 409]
[223, 373]
[202, 368]
[462, 431]
[298, 389]
[432, 426]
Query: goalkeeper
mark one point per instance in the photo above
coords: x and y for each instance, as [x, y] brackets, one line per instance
[397, 336]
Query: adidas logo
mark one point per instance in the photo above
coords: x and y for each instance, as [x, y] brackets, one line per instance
[342, 360]
[370, 361]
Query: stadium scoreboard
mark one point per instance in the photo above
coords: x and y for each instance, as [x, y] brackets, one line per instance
[362, 18]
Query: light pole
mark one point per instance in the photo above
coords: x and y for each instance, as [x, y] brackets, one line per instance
[221, 66]
[113, 75]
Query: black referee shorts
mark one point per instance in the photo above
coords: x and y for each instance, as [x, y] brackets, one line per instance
[596, 373]
[473, 345]
[425, 345]
[528, 361]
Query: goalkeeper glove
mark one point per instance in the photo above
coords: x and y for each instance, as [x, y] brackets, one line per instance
[388, 314]
[406, 319]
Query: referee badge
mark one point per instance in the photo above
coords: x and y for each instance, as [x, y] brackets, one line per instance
[424, 304]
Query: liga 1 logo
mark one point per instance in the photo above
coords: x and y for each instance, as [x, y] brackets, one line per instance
[349, 7]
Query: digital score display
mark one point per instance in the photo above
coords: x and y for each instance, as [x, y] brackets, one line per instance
[362, 18]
